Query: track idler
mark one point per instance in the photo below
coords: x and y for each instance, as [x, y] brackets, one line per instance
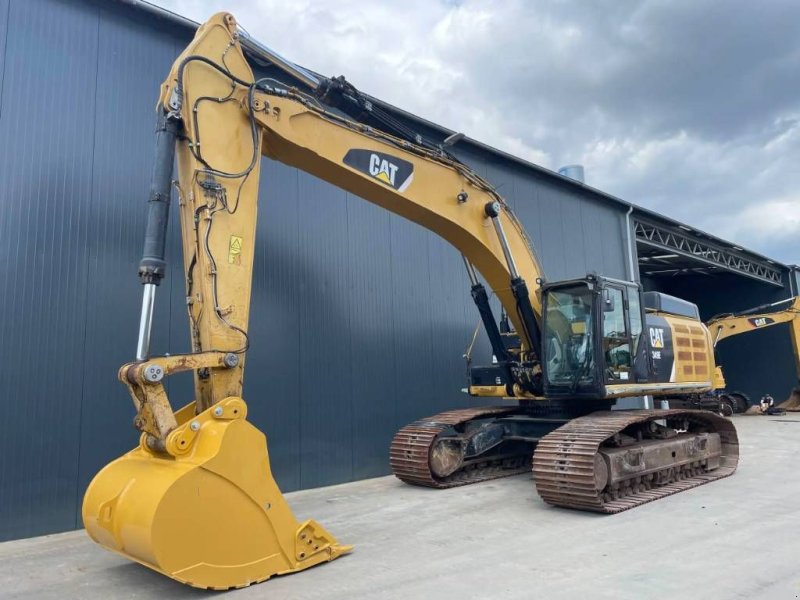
[207, 512]
[438, 452]
[613, 461]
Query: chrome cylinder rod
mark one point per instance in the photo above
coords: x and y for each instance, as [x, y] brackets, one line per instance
[501, 235]
[473, 278]
[146, 321]
[259, 50]
[716, 339]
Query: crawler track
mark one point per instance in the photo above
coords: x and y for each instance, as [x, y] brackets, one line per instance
[564, 461]
[410, 451]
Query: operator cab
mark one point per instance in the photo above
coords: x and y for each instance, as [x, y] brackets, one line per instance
[592, 336]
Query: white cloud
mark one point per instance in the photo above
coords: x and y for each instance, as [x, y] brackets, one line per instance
[691, 109]
[770, 221]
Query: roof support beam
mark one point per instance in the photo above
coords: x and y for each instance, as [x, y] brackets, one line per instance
[686, 246]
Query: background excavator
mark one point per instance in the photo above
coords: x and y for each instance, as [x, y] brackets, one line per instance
[754, 319]
[196, 501]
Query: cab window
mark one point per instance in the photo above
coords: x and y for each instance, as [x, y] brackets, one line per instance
[616, 337]
[568, 336]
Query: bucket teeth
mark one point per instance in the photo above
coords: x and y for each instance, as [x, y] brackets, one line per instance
[313, 539]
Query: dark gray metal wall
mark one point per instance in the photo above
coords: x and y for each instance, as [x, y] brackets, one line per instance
[359, 318]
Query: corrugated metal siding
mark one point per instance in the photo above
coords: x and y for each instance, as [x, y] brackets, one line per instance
[573, 233]
[128, 69]
[359, 318]
[45, 166]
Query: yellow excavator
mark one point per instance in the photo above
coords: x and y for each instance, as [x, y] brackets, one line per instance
[731, 324]
[196, 501]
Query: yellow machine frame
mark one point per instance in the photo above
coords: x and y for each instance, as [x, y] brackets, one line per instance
[784, 311]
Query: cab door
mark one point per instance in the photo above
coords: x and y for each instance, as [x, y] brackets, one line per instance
[615, 339]
[621, 334]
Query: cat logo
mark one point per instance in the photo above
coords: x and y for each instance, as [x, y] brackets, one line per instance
[761, 321]
[656, 337]
[382, 169]
[389, 170]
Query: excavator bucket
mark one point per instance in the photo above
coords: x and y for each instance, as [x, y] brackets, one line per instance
[792, 403]
[207, 512]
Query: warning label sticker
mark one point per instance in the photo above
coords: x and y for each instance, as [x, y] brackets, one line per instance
[235, 250]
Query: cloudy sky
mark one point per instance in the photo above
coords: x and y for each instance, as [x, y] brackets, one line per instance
[687, 107]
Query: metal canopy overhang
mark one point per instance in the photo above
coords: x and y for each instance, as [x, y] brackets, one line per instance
[665, 251]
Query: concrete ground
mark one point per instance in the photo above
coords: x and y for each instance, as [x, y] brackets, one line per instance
[736, 538]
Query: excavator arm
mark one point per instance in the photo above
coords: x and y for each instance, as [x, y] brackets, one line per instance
[760, 317]
[223, 121]
[217, 121]
[784, 311]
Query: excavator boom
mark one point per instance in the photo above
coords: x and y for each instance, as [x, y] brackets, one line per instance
[196, 500]
[761, 317]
